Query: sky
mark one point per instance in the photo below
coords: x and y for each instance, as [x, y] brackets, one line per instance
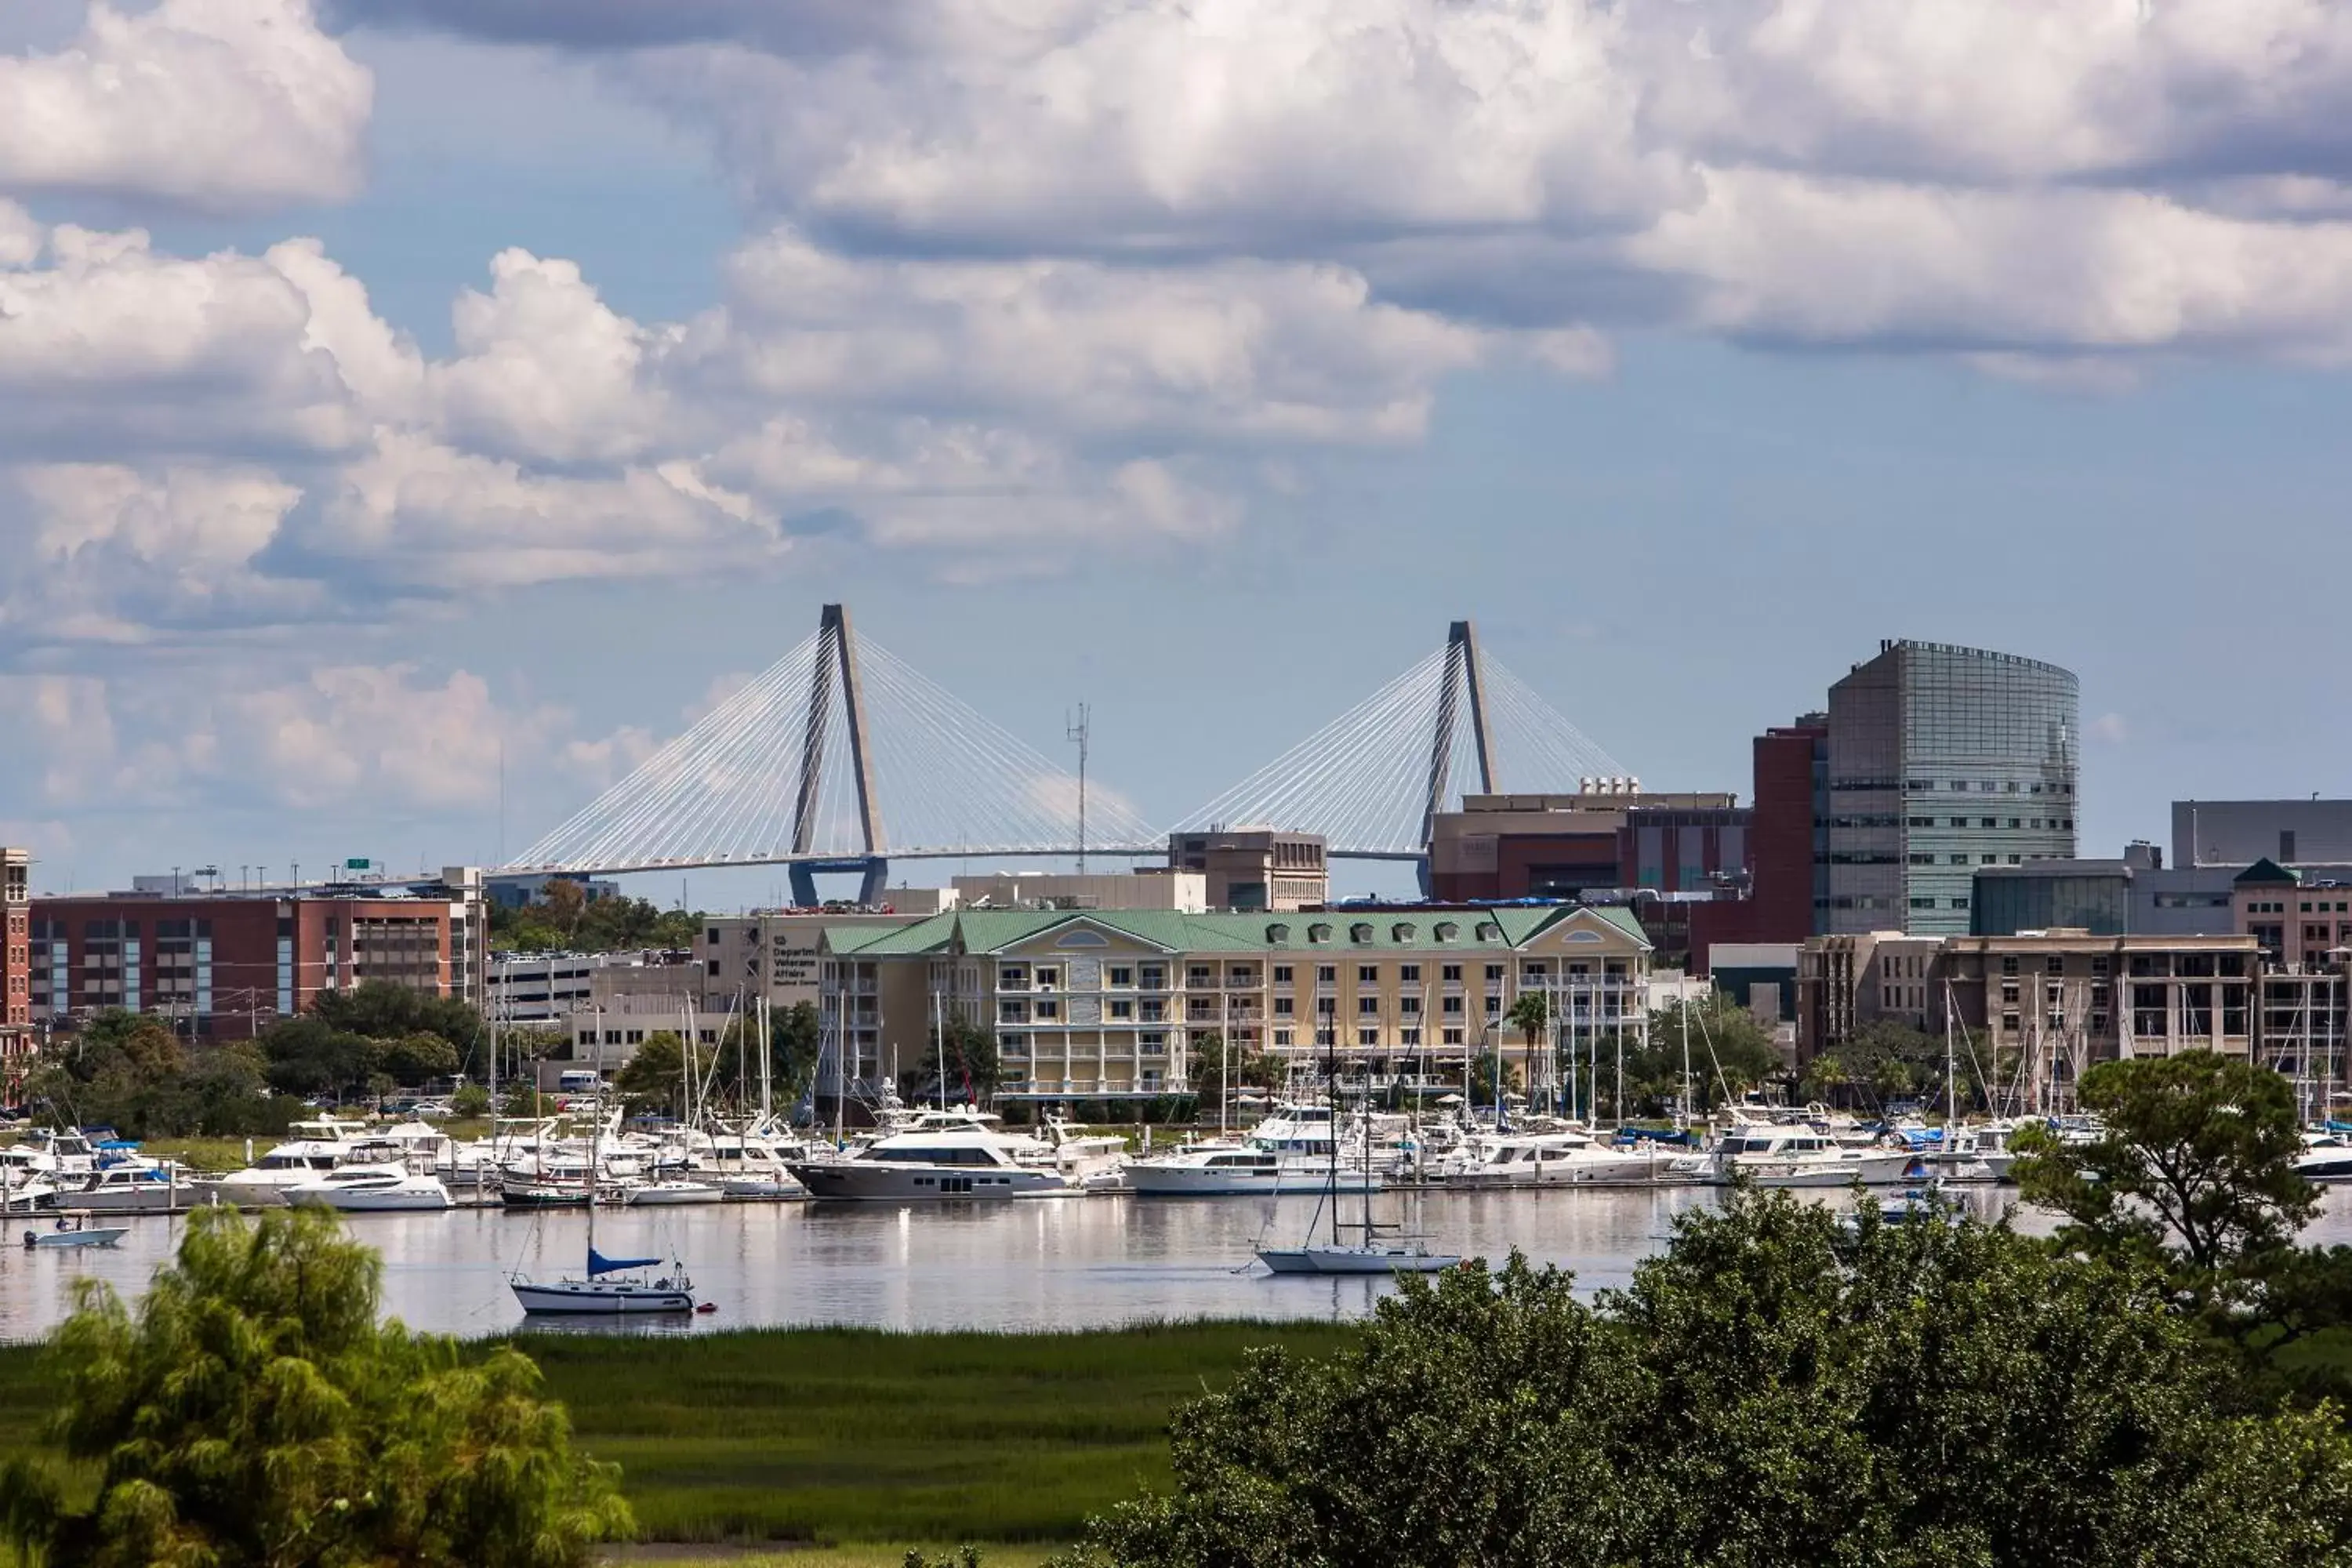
[413, 412]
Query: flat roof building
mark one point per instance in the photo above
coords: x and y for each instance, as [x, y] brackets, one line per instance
[2237, 833]
[1943, 759]
[1251, 867]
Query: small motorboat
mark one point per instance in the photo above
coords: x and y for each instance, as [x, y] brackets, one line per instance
[669, 1190]
[73, 1233]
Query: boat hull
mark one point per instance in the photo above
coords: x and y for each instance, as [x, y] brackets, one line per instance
[1199, 1181]
[574, 1298]
[519, 1196]
[862, 1181]
[374, 1203]
[1631, 1170]
[757, 1189]
[65, 1240]
[1870, 1170]
[2330, 1168]
[1353, 1260]
[665, 1197]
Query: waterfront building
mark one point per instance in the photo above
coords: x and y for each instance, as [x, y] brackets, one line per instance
[1256, 868]
[1942, 759]
[2054, 1001]
[603, 1039]
[223, 964]
[1108, 1003]
[1788, 849]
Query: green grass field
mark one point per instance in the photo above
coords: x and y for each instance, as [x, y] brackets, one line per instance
[849, 1437]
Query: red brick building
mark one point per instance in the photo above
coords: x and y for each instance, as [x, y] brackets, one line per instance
[1565, 846]
[17, 1039]
[224, 966]
[1785, 845]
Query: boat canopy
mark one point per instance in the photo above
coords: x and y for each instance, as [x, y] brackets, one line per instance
[600, 1264]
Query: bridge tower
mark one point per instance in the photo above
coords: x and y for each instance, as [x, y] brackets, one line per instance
[836, 659]
[1464, 674]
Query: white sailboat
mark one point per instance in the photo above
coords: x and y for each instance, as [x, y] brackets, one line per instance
[1372, 1256]
[609, 1286]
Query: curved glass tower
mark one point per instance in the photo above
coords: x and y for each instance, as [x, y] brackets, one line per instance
[1943, 759]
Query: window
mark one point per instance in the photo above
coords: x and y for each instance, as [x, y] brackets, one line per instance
[1367, 1006]
[714, 936]
[2009, 965]
[1451, 1007]
[1494, 974]
[1367, 974]
[1122, 977]
[1318, 933]
[1368, 1036]
[1959, 859]
[1283, 1007]
[1959, 822]
[1325, 1006]
[1326, 974]
[2014, 822]
[1450, 973]
[2008, 1022]
[1533, 971]
[1122, 1010]
[1360, 931]
[1048, 976]
[2055, 965]
[1409, 1005]
[1199, 977]
[1282, 974]
[1988, 822]
[1047, 1008]
[1282, 1037]
[714, 966]
[1450, 1036]
[1923, 903]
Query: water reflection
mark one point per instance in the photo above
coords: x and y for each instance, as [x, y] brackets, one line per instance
[1049, 1263]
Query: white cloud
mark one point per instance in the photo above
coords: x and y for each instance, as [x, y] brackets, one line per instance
[215, 104]
[2110, 727]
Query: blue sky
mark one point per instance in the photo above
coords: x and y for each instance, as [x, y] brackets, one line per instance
[1134, 354]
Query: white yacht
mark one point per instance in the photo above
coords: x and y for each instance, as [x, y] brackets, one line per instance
[748, 1165]
[1800, 1157]
[943, 1156]
[1213, 1169]
[146, 1187]
[312, 1149]
[1560, 1158]
[669, 1190]
[1980, 1153]
[1367, 1258]
[2326, 1157]
[373, 1189]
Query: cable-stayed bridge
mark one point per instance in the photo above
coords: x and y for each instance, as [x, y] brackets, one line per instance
[841, 757]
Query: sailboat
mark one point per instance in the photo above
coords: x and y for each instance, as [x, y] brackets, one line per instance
[1369, 1255]
[610, 1284]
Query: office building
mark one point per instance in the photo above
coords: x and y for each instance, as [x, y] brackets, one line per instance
[2297, 833]
[1150, 888]
[1592, 842]
[224, 965]
[1106, 1004]
[1942, 759]
[1251, 868]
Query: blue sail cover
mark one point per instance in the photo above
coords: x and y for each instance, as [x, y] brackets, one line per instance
[600, 1264]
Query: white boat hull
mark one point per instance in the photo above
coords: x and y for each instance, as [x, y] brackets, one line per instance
[1604, 1170]
[1870, 1170]
[375, 1203]
[876, 1181]
[1208, 1182]
[754, 1188]
[668, 1194]
[601, 1297]
[1353, 1260]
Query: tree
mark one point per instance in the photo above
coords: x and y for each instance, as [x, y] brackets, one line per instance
[1785, 1385]
[412, 1059]
[1208, 1059]
[1731, 1052]
[2194, 1168]
[310, 1056]
[470, 1100]
[655, 1078]
[254, 1413]
[795, 1035]
[130, 1072]
[963, 1058]
[384, 1011]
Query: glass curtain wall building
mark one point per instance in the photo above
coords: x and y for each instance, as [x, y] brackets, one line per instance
[1943, 759]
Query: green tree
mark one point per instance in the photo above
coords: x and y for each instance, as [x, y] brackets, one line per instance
[472, 1100]
[1731, 1052]
[1786, 1385]
[2194, 1168]
[253, 1412]
[655, 1078]
[412, 1059]
[794, 1036]
[381, 1010]
[1207, 1060]
[310, 1056]
[963, 1057]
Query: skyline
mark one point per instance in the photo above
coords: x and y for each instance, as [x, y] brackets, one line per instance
[494, 372]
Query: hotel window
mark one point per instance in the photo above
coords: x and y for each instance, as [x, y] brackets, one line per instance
[1494, 1006]
[1408, 1036]
[1282, 974]
[1013, 977]
[1452, 1007]
[1367, 974]
[1368, 1036]
[1284, 1006]
[1123, 1010]
[1409, 974]
[1282, 1037]
[1409, 1005]
[1533, 973]
[1155, 977]
[1367, 1006]
[1047, 977]
[1450, 975]
[1494, 974]
[1198, 975]
[1450, 1036]
[1048, 1009]
[1121, 978]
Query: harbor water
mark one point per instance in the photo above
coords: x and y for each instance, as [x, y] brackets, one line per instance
[1051, 1263]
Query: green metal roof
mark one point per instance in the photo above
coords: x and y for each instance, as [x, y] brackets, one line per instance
[1360, 931]
[2266, 873]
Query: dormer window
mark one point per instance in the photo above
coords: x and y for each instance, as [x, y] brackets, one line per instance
[1400, 931]
[1447, 930]
[1277, 933]
[1489, 931]
[1360, 931]
[1318, 933]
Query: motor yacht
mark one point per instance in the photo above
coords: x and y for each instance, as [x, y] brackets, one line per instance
[373, 1189]
[145, 1187]
[312, 1149]
[668, 1191]
[2326, 1157]
[943, 1156]
[1561, 1158]
[1800, 1157]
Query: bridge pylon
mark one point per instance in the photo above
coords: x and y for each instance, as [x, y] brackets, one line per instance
[836, 659]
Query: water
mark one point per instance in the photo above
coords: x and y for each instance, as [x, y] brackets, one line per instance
[1054, 1263]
